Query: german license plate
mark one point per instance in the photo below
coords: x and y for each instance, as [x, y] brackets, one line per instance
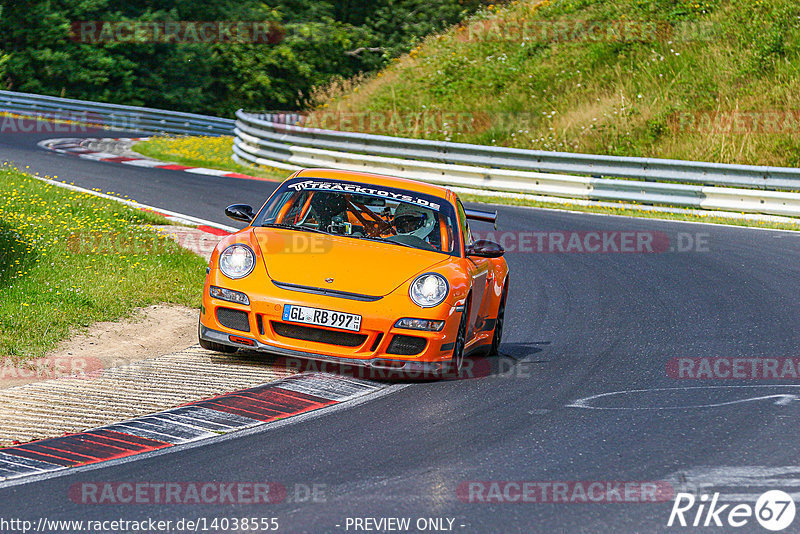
[316, 316]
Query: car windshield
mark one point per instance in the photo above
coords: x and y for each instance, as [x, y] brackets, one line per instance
[362, 211]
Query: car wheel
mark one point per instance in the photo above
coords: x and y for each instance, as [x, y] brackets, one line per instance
[453, 367]
[215, 347]
[498, 325]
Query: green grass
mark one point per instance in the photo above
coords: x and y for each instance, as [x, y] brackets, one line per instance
[202, 151]
[68, 259]
[630, 96]
[630, 212]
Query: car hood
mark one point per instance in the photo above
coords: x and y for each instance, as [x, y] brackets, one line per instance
[355, 266]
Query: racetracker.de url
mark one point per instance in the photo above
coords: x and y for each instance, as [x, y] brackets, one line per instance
[148, 524]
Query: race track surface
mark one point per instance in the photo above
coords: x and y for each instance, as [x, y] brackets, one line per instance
[578, 325]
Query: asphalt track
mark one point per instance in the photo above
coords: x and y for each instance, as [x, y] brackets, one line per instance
[578, 325]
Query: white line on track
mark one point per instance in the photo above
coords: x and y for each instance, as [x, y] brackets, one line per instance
[179, 217]
[782, 399]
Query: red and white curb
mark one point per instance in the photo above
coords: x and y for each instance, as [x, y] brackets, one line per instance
[201, 238]
[73, 146]
[180, 218]
[200, 241]
[195, 421]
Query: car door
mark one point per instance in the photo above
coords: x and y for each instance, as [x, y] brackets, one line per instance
[478, 269]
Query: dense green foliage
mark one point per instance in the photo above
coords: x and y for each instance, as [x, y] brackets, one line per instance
[708, 80]
[321, 39]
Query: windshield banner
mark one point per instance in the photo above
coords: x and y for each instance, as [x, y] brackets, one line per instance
[398, 195]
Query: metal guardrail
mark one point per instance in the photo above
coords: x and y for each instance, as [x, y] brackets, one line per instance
[278, 141]
[286, 130]
[113, 116]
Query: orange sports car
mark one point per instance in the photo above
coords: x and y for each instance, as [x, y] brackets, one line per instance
[359, 269]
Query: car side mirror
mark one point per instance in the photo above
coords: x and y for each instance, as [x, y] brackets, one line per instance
[240, 212]
[485, 249]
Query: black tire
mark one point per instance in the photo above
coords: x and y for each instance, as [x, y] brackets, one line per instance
[452, 368]
[498, 325]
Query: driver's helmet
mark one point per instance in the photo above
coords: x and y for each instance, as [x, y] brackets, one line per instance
[413, 220]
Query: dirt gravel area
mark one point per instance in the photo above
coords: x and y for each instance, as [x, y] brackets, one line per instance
[119, 370]
[151, 331]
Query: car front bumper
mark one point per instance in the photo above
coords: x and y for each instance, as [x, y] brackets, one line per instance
[383, 362]
[260, 325]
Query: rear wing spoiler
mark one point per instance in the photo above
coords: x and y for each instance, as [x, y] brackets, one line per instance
[484, 216]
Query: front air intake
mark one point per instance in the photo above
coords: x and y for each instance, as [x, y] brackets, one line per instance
[233, 319]
[406, 345]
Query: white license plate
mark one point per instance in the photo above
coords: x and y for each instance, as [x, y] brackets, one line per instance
[316, 316]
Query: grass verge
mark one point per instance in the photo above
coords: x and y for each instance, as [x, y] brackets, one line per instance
[68, 259]
[202, 151]
[701, 80]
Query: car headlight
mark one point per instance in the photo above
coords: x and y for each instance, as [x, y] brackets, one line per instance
[237, 261]
[429, 290]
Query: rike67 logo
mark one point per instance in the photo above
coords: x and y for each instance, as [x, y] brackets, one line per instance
[774, 510]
